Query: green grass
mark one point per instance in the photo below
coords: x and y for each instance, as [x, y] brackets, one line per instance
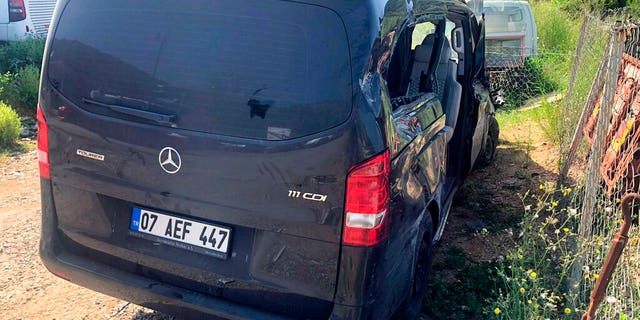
[558, 33]
[513, 117]
[467, 295]
[17, 148]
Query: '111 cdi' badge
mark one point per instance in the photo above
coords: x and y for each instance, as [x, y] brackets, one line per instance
[308, 196]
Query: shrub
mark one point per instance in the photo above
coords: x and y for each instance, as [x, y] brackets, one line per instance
[9, 126]
[21, 89]
[19, 54]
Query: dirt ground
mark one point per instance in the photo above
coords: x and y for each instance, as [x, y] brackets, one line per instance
[488, 200]
[27, 289]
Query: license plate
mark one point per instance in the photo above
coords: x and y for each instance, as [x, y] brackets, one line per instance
[183, 233]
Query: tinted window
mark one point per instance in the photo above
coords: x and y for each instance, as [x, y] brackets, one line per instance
[258, 69]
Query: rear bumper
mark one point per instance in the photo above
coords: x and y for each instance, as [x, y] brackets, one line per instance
[100, 277]
[142, 291]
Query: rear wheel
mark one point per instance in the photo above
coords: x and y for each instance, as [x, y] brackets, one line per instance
[488, 152]
[412, 304]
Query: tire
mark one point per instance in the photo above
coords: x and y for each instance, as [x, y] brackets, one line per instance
[488, 152]
[411, 307]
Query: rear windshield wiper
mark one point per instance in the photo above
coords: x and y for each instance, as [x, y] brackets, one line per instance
[160, 118]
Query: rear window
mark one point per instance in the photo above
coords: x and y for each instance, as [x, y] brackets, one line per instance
[256, 69]
[501, 17]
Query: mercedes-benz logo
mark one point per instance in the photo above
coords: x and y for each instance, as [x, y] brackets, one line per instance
[169, 160]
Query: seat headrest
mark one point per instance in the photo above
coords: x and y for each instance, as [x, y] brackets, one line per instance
[423, 51]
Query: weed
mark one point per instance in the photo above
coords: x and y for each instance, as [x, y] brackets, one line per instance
[533, 277]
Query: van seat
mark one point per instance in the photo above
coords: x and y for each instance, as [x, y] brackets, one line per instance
[449, 91]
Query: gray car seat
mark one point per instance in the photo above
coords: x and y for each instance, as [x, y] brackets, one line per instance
[448, 90]
[421, 60]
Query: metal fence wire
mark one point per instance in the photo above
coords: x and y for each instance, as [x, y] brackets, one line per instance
[610, 125]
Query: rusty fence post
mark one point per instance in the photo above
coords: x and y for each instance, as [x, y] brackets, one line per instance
[613, 256]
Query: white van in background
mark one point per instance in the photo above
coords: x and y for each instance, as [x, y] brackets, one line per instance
[20, 19]
[510, 33]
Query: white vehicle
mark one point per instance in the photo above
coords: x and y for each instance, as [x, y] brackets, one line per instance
[20, 19]
[510, 33]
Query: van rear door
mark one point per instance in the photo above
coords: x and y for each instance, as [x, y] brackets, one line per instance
[227, 114]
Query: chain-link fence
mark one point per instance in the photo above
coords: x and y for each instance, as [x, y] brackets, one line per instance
[527, 77]
[596, 124]
[608, 117]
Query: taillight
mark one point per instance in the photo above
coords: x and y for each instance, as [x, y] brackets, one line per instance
[43, 145]
[367, 202]
[17, 10]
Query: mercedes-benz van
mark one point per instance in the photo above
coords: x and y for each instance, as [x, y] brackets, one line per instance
[258, 159]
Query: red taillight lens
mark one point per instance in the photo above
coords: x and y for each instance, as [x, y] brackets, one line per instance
[17, 10]
[367, 202]
[43, 145]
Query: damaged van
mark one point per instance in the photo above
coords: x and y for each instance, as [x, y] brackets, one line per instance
[258, 159]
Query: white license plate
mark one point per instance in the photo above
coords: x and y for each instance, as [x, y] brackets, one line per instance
[183, 231]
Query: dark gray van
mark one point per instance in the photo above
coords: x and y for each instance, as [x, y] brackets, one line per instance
[258, 159]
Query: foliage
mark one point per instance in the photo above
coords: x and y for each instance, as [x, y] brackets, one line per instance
[558, 32]
[21, 89]
[16, 55]
[9, 126]
[20, 63]
[577, 7]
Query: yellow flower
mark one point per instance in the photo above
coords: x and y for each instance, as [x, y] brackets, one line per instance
[497, 311]
[554, 203]
[541, 187]
[567, 311]
[536, 306]
[533, 275]
[522, 290]
[520, 256]
[566, 230]
[596, 276]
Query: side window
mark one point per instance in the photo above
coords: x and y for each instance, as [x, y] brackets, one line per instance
[420, 32]
[411, 60]
[450, 27]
